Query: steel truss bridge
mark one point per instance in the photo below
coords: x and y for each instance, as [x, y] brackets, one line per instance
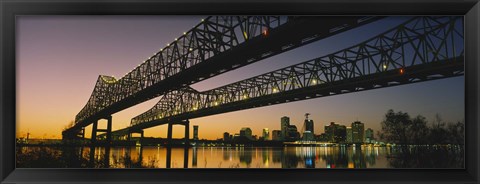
[420, 49]
[216, 45]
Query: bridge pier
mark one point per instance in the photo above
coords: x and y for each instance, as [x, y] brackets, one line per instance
[185, 157]
[141, 137]
[108, 131]
[94, 132]
[169, 145]
[129, 135]
[187, 133]
[187, 143]
[169, 134]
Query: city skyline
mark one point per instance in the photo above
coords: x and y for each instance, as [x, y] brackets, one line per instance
[76, 42]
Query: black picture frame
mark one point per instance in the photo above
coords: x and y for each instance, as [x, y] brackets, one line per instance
[9, 9]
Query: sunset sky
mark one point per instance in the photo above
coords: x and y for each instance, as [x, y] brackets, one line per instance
[60, 57]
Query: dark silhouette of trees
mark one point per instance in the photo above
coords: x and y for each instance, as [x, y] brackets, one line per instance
[400, 128]
[457, 133]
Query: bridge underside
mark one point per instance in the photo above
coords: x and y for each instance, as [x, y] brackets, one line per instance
[302, 31]
[413, 74]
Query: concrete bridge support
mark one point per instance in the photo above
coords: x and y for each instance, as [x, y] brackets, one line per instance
[108, 131]
[141, 132]
[185, 123]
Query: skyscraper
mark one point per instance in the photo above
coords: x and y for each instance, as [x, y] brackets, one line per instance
[336, 133]
[308, 134]
[357, 132]
[226, 136]
[292, 133]
[276, 135]
[369, 135]
[246, 132]
[309, 125]
[284, 123]
[265, 134]
[349, 135]
[195, 132]
[340, 133]
[329, 131]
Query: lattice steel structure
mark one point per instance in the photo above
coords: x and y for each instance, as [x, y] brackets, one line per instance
[420, 49]
[216, 45]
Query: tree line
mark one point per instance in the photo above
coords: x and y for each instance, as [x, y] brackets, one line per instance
[400, 128]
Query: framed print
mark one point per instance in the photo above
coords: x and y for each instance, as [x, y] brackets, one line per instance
[255, 91]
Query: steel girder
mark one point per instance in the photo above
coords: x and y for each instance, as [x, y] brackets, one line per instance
[420, 49]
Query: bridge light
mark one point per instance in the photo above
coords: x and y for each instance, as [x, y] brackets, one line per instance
[176, 39]
[168, 44]
[384, 66]
[265, 32]
[191, 49]
[161, 49]
[184, 33]
[203, 20]
[245, 34]
[215, 104]
[314, 82]
[245, 96]
[402, 71]
[275, 90]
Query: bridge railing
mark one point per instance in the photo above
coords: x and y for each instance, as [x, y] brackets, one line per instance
[417, 41]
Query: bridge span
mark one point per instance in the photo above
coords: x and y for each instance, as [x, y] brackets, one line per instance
[216, 45]
[420, 49]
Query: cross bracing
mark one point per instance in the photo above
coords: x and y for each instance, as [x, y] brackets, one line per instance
[216, 45]
[420, 49]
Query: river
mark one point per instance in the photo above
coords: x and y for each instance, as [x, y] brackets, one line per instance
[241, 157]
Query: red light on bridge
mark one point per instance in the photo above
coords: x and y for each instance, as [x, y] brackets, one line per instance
[402, 71]
[265, 32]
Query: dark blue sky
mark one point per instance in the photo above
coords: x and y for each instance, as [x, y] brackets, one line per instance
[60, 57]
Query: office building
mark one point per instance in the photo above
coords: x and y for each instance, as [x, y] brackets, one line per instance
[336, 133]
[265, 134]
[309, 125]
[246, 132]
[284, 123]
[308, 136]
[349, 135]
[329, 131]
[340, 134]
[226, 136]
[292, 133]
[276, 135]
[369, 135]
[357, 132]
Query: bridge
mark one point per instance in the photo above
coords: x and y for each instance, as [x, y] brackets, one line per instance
[420, 49]
[216, 45]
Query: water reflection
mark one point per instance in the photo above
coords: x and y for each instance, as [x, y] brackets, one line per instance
[241, 157]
